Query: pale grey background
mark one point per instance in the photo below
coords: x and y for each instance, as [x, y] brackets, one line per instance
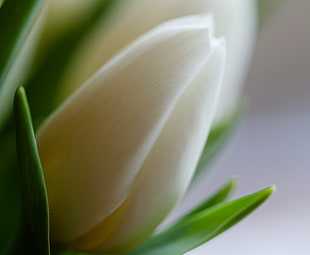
[272, 146]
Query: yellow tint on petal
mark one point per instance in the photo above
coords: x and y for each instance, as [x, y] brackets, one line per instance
[99, 234]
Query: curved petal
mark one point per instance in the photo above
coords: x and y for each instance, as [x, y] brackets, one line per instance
[99, 139]
[168, 170]
[235, 20]
[131, 19]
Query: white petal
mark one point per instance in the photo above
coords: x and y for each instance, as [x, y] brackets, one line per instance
[169, 168]
[130, 19]
[93, 147]
[235, 20]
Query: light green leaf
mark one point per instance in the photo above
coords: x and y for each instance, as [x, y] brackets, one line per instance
[202, 226]
[35, 204]
[218, 197]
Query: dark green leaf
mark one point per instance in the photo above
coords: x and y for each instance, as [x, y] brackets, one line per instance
[32, 181]
[16, 20]
[11, 27]
[43, 86]
[10, 201]
[202, 226]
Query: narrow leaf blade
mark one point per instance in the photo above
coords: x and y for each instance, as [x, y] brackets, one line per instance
[32, 181]
[218, 197]
[203, 226]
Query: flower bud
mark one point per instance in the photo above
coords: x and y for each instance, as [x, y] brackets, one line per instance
[121, 151]
[235, 20]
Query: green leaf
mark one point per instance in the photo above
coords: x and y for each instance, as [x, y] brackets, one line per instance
[11, 27]
[218, 197]
[202, 226]
[10, 201]
[16, 20]
[53, 64]
[10, 198]
[34, 193]
[218, 138]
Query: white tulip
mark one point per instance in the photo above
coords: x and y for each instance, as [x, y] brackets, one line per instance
[235, 20]
[121, 151]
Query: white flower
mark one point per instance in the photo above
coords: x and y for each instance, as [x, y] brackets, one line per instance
[121, 151]
[235, 20]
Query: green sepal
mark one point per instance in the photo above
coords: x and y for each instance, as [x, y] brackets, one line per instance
[202, 226]
[16, 20]
[35, 228]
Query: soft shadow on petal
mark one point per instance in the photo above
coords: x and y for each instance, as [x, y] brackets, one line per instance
[167, 171]
[93, 147]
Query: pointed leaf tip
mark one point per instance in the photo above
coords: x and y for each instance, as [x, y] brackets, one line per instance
[217, 197]
[202, 226]
[35, 230]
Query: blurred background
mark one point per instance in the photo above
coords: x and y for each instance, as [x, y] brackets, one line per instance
[272, 144]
